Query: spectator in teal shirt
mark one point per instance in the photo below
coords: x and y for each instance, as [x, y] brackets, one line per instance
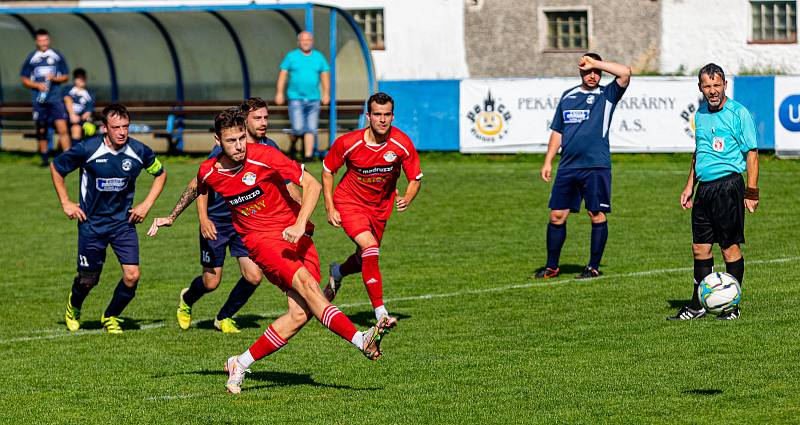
[305, 69]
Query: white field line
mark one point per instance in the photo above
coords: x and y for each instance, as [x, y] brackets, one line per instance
[60, 333]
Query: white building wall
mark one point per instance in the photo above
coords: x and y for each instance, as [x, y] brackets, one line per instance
[696, 32]
[424, 39]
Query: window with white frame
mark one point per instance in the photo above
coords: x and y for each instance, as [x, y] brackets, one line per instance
[567, 30]
[371, 23]
[774, 21]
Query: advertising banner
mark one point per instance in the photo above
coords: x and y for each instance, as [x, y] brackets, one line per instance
[787, 116]
[514, 115]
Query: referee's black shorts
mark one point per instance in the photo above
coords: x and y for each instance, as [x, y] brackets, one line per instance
[718, 212]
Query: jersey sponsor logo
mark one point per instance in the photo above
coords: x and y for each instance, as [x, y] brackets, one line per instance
[245, 197]
[575, 116]
[249, 178]
[113, 184]
[718, 144]
[127, 164]
[375, 170]
[389, 156]
[490, 121]
[372, 180]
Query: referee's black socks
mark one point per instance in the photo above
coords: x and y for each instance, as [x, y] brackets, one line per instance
[702, 268]
[736, 269]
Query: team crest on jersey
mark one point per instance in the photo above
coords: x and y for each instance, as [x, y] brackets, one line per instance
[389, 156]
[718, 144]
[490, 121]
[590, 99]
[50, 61]
[249, 178]
[127, 164]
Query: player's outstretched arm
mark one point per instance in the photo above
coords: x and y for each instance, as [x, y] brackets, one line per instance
[622, 72]
[139, 212]
[311, 189]
[189, 194]
[334, 218]
[403, 202]
[552, 149]
[71, 209]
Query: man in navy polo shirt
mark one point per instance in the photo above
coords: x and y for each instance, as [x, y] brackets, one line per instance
[109, 165]
[43, 71]
[580, 128]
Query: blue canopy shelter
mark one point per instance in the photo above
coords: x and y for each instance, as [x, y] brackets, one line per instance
[183, 63]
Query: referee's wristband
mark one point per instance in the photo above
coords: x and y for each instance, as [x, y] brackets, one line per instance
[751, 193]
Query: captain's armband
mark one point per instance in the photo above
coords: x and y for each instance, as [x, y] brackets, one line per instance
[155, 168]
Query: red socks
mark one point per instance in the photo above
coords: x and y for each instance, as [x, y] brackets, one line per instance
[371, 274]
[267, 344]
[336, 321]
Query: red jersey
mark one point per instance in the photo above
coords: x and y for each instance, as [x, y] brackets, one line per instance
[255, 191]
[372, 170]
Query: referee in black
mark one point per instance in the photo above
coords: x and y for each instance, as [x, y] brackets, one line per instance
[725, 146]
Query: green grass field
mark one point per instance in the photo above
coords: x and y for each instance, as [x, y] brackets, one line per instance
[478, 341]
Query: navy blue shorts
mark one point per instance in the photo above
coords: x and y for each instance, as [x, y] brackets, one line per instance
[92, 248]
[212, 253]
[45, 114]
[593, 185]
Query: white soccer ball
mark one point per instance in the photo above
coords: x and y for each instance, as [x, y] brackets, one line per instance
[719, 291]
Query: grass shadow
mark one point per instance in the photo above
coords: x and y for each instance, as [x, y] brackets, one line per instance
[365, 319]
[704, 391]
[128, 324]
[244, 321]
[679, 303]
[565, 270]
[279, 379]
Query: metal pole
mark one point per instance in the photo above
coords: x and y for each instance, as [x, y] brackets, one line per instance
[332, 119]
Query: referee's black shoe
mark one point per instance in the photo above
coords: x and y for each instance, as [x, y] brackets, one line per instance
[687, 313]
[588, 273]
[730, 314]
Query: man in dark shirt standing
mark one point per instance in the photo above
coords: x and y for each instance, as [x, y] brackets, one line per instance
[43, 72]
[580, 128]
[109, 165]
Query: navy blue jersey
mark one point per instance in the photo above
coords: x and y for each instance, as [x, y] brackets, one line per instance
[218, 210]
[583, 118]
[37, 66]
[82, 100]
[107, 179]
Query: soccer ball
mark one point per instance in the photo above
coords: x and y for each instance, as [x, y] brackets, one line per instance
[719, 291]
[89, 129]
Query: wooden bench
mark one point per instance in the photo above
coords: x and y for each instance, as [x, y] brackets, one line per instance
[176, 128]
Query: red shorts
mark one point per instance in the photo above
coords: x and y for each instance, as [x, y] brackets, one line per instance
[280, 260]
[357, 221]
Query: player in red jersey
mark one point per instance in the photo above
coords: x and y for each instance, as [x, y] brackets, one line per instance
[362, 202]
[277, 233]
